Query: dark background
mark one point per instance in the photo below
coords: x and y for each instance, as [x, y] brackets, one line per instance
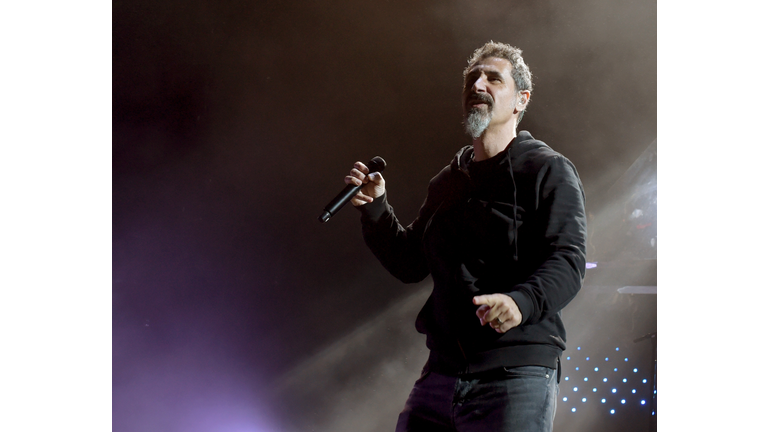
[234, 123]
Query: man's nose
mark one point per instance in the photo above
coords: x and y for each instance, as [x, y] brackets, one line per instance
[479, 85]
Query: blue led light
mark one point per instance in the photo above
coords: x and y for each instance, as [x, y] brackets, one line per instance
[645, 380]
[566, 378]
[626, 359]
[594, 390]
[602, 400]
[624, 380]
[575, 389]
[642, 402]
[597, 369]
[578, 348]
[568, 358]
[587, 358]
[613, 390]
[617, 348]
[615, 369]
[577, 368]
[586, 379]
[583, 399]
[606, 359]
[634, 370]
[573, 409]
[605, 379]
[634, 391]
[623, 401]
[613, 411]
[565, 399]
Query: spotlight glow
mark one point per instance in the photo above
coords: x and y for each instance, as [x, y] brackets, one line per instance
[575, 389]
[583, 399]
[594, 390]
[613, 411]
[602, 400]
[634, 370]
[642, 402]
[597, 369]
[613, 390]
[623, 401]
[573, 409]
[605, 379]
[565, 399]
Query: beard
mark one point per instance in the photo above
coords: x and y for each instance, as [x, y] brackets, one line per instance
[478, 119]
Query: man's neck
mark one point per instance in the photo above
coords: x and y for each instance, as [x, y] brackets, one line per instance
[493, 141]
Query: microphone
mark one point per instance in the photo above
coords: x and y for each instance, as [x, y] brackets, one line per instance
[376, 164]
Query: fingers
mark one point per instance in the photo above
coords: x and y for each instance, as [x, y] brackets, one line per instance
[499, 311]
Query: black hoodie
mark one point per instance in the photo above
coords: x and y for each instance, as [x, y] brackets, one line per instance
[465, 237]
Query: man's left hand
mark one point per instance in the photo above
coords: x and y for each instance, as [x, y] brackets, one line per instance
[499, 311]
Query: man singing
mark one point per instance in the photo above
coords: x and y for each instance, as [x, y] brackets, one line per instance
[503, 234]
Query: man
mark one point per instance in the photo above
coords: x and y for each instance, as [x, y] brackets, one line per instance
[503, 234]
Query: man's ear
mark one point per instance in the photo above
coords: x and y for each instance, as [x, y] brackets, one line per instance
[523, 97]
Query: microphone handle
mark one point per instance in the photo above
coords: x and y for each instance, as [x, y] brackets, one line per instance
[337, 203]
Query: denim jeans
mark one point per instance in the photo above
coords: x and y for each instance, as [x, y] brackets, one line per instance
[518, 399]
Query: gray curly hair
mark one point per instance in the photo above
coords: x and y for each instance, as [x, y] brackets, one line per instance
[520, 71]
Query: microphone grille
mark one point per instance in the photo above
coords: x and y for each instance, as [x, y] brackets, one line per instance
[377, 164]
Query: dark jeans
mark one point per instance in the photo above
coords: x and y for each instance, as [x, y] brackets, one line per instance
[519, 399]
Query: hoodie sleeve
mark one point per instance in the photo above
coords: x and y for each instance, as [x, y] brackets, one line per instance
[398, 248]
[562, 220]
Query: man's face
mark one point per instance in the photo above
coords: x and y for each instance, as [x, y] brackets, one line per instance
[489, 95]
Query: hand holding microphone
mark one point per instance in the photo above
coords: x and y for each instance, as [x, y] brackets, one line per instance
[364, 184]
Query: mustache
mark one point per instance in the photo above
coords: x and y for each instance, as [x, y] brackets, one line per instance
[480, 97]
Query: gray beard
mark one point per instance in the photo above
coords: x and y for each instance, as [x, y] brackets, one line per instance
[477, 122]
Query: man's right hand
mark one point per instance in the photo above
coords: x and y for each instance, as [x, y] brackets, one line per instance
[373, 184]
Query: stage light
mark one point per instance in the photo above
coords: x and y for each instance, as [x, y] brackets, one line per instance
[624, 380]
[613, 391]
[617, 348]
[575, 389]
[594, 390]
[645, 380]
[602, 400]
[586, 379]
[606, 359]
[583, 399]
[566, 378]
[626, 359]
[565, 399]
[573, 409]
[578, 348]
[634, 370]
[577, 368]
[634, 391]
[568, 358]
[623, 401]
[613, 411]
[587, 358]
[615, 369]
[642, 402]
[596, 369]
[605, 379]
